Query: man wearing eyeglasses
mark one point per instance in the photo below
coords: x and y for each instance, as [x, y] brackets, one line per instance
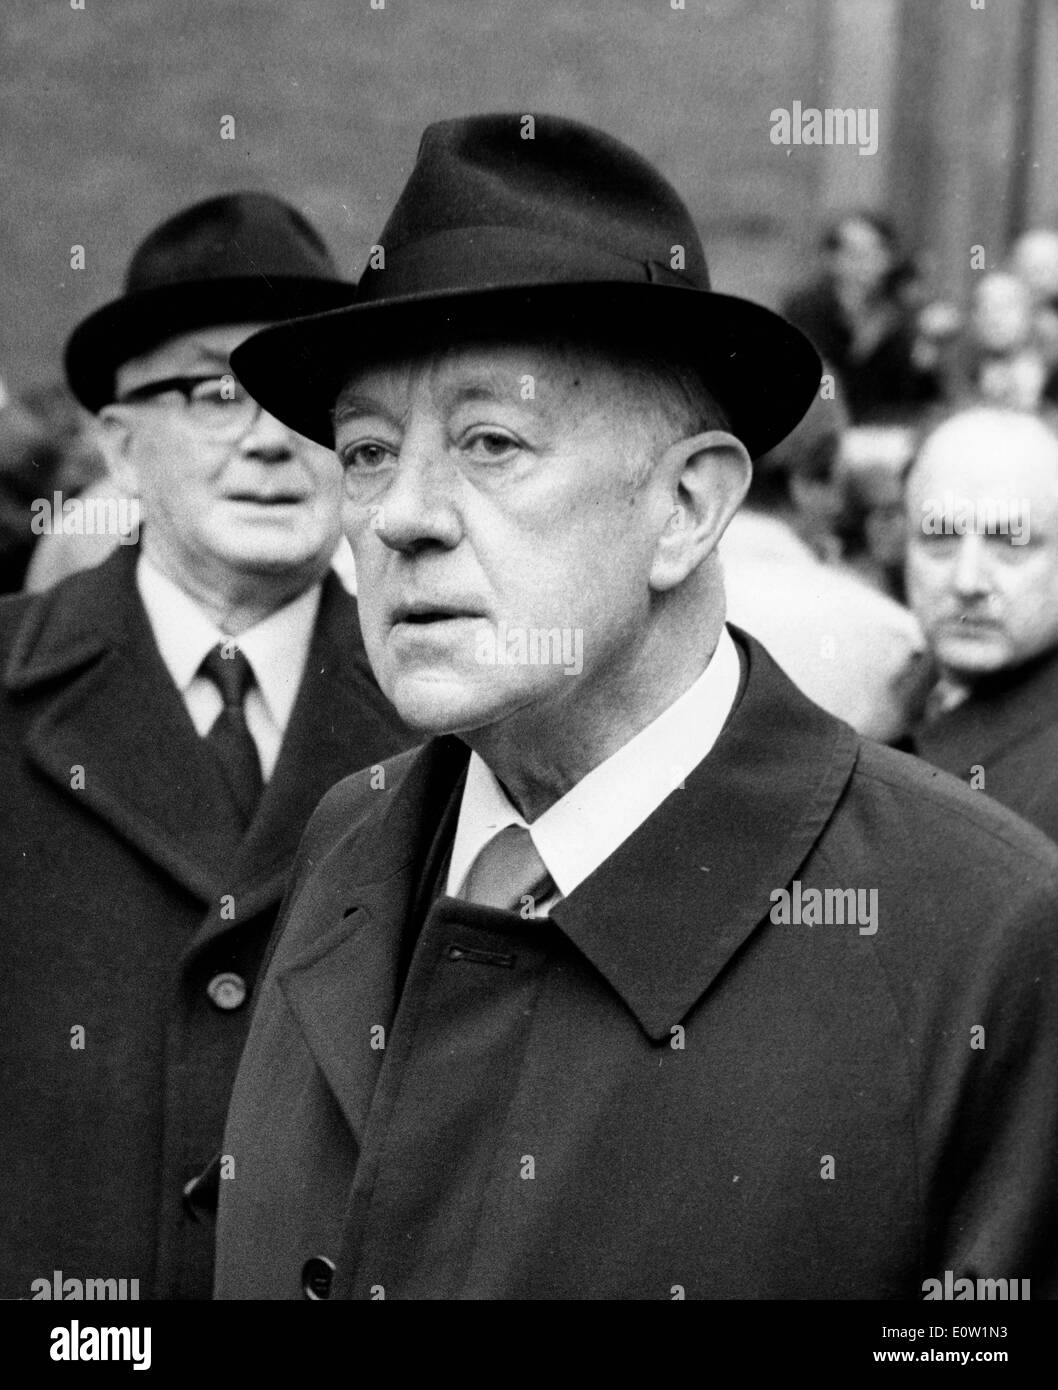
[170, 719]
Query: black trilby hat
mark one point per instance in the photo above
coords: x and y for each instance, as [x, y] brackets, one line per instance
[241, 257]
[569, 231]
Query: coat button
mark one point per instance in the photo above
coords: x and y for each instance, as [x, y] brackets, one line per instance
[227, 991]
[316, 1275]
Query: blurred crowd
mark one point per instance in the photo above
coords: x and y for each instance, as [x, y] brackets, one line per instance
[897, 350]
[899, 551]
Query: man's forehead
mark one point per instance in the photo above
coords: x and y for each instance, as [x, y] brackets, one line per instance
[495, 370]
[200, 350]
[989, 451]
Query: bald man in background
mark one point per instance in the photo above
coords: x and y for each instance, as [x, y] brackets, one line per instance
[982, 574]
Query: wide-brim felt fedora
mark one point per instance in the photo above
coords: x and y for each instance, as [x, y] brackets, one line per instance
[509, 226]
[239, 258]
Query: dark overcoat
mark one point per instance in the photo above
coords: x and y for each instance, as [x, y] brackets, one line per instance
[133, 922]
[1003, 740]
[664, 1090]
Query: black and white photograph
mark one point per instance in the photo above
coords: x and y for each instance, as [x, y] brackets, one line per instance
[529, 671]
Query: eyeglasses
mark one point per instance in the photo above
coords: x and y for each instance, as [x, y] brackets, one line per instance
[217, 405]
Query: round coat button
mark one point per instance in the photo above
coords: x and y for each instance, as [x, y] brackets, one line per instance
[227, 991]
[316, 1275]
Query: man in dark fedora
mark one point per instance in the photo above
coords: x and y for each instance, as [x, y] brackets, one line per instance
[169, 719]
[645, 977]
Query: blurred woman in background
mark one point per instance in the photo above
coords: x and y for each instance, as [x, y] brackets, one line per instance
[861, 314]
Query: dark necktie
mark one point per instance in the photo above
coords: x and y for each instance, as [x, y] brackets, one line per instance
[229, 737]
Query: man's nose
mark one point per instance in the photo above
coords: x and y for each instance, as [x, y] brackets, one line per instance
[418, 508]
[268, 438]
[970, 577]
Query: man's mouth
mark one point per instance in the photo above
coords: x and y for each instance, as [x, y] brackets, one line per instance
[268, 499]
[423, 614]
[971, 623]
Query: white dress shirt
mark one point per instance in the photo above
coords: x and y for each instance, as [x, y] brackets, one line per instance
[276, 648]
[587, 825]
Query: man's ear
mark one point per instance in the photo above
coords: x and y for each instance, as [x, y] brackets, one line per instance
[705, 477]
[117, 441]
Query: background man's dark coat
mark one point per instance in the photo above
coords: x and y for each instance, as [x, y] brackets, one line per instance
[659, 1090]
[1008, 731]
[114, 919]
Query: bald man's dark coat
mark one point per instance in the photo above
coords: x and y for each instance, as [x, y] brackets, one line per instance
[1003, 740]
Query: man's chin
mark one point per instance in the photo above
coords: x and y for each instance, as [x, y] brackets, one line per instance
[279, 554]
[443, 706]
[971, 660]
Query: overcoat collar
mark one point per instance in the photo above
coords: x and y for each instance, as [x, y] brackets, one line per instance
[659, 920]
[85, 654]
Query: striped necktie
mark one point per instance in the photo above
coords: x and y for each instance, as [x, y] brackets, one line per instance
[507, 871]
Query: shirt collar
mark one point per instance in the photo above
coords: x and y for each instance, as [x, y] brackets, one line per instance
[580, 831]
[276, 648]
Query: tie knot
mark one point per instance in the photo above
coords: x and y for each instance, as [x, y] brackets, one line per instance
[508, 869]
[230, 672]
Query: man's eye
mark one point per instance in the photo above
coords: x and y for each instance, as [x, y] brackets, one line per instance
[1012, 547]
[364, 456]
[489, 445]
[939, 545]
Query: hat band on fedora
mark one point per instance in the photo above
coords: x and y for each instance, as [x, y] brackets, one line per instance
[465, 259]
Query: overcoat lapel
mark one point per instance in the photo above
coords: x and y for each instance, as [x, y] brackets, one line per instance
[346, 983]
[109, 707]
[339, 721]
[665, 914]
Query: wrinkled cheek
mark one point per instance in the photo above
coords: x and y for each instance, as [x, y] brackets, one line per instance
[371, 629]
[325, 518]
[924, 584]
[197, 515]
[1036, 617]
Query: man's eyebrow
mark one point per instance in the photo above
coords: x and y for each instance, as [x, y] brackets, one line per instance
[488, 385]
[354, 405]
[211, 357]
